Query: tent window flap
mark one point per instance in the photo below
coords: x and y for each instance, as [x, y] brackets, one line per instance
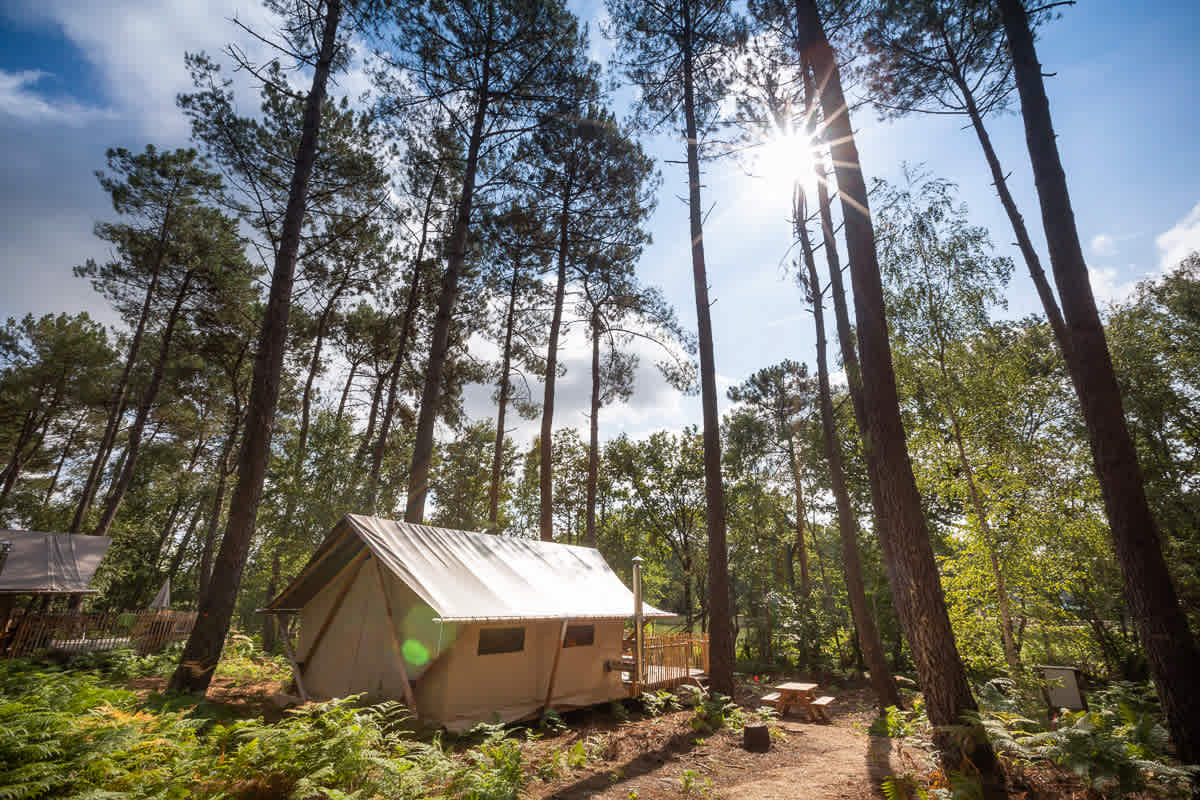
[493, 641]
[580, 636]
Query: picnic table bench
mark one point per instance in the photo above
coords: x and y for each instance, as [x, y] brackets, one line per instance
[791, 694]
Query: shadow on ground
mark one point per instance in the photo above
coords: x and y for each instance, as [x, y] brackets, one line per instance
[644, 764]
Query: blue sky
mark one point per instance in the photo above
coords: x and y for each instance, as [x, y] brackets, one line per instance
[79, 77]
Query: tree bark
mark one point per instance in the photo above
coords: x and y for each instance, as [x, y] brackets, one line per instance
[439, 347]
[28, 434]
[406, 326]
[181, 548]
[133, 446]
[720, 627]
[911, 563]
[545, 464]
[268, 631]
[593, 476]
[798, 547]
[313, 367]
[502, 403]
[869, 644]
[66, 451]
[1032, 262]
[346, 392]
[204, 568]
[117, 403]
[1161, 623]
[203, 648]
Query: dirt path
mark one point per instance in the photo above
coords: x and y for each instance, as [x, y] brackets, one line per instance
[654, 759]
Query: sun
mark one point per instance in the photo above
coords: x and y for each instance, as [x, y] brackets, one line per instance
[783, 157]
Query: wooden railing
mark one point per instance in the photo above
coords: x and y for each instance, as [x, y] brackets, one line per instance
[144, 631]
[672, 660]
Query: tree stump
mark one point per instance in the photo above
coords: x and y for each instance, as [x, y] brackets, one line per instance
[756, 737]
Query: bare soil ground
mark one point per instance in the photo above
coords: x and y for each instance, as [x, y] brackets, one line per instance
[657, 757]
[239, 698]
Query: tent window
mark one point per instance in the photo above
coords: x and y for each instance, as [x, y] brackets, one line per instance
[501, 640]
[580, 636]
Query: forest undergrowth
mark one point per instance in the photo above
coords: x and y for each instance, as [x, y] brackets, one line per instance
[82, 730]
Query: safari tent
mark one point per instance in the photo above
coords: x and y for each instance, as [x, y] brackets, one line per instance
[464, 627]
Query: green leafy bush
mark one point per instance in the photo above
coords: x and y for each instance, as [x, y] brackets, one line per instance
[660, 702]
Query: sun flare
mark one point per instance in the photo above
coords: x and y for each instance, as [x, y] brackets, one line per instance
[779, 161]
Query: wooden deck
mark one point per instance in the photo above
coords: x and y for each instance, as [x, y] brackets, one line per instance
[658, 677]
[671, 660]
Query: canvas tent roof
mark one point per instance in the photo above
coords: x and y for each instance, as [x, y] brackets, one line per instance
[50, 563]
[469, 577]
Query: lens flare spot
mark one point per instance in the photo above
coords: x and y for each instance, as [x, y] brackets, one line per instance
[415, 652]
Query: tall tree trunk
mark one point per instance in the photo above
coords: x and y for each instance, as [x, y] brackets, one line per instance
[911, 564]
[545, 463]
[203, 648]
[593, 476]
[1032, 262]
[439, 347]
[364, 447]
[66, 451]
[116, 405]
[268, 631]
[314, 366]
[208, 546]
[133, 446]
[28, 429]
[181, 548]
[720, 627]
[798, 547]
[346, 392]
[502, 403]
[869, 644]
[1007, 638]
[406, 325]
[1160, 621]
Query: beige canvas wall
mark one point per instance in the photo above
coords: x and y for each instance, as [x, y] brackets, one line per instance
[512, 686]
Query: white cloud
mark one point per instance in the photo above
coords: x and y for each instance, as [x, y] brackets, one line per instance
[1107, 285]
[1104, 245]
[137, 48]
[19, 98]
[1180, 241]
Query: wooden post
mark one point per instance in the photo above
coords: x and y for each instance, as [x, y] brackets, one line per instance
[562, 637]
[291, 656]
[387, 605]
[639, 658]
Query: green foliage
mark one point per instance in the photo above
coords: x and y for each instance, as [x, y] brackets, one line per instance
[660, 702]
[1117, 747]
[714, 712]
[493, 771]
[67, 734]
[552, 721]
[904, 787]
[892, 723]
[690, 785]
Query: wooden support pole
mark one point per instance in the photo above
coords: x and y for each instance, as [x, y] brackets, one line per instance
[354, 566]
[562, 638]
[291, 656]
[387, 605]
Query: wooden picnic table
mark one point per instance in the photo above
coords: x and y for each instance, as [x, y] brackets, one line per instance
[793, 693]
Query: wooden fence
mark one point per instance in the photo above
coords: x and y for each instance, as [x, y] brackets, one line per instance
[144, 631]
[673, 659]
